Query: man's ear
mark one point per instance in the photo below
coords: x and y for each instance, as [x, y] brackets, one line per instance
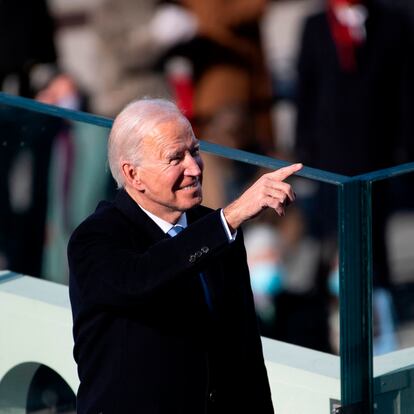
[132, 177]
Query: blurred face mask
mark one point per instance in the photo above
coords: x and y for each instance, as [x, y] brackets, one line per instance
[266, 278]
[333, 282]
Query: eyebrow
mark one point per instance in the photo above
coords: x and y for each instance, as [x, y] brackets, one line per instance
[174, 154]
[195, 145]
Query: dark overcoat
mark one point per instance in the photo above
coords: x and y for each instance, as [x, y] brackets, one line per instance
[145, 339]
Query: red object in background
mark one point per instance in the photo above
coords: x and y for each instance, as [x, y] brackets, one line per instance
[180, 78]
[344, 35]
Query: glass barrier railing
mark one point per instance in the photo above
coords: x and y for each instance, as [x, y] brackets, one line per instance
[305, 270]
[393, 264]
[393, 280]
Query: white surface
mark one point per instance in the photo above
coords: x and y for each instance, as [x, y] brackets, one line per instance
[36, 326]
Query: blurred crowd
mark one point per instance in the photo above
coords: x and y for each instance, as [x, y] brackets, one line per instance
[325, 82]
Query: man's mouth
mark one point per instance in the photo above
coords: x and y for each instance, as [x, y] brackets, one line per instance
[191, 186]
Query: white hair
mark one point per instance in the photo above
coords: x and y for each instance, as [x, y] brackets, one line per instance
[134, 123]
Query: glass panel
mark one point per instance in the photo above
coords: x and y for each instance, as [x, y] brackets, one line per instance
[393, 264]
[293, 259]
[313, 273]
[308, 305]
[393, 294]
[400, 239]
[53, 172]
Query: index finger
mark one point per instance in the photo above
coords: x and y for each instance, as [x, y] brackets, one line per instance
[285, 172]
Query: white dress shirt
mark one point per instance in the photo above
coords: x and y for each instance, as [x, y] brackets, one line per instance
[165, 226]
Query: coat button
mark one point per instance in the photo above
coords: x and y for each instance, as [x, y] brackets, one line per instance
[192, 258]
[205, 249]
[198, 254]
[212, 396]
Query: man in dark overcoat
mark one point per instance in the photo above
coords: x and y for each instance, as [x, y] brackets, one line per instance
[164, 319]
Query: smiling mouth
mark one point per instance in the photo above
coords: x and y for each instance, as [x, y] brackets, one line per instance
[195, 184]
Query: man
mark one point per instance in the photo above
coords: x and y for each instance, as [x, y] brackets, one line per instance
[352, 97]
[166, 324]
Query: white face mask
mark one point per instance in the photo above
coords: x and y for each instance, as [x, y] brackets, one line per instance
[353, 17]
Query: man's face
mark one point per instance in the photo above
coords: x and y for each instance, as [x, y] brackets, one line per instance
[170, 175]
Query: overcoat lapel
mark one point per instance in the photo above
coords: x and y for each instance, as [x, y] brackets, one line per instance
[138, 218]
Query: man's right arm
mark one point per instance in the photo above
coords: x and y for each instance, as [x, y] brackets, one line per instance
[108, 270]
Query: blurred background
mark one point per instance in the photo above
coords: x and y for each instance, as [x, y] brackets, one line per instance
[325, 82]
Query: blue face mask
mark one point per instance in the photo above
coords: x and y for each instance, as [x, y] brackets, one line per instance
[266, 278]
[333, 282]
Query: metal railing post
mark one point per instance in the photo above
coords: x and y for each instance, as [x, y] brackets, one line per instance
[355, 269]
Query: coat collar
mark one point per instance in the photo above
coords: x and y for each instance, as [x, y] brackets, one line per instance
[134, 214]
[129, 208]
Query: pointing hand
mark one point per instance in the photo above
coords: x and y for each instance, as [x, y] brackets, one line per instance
[269, 191]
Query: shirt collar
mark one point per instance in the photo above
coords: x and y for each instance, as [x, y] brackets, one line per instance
[165, 226]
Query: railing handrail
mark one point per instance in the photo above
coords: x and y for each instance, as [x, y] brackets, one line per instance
[355, 243]
[215, 149]
[385, 173]
[30, 104]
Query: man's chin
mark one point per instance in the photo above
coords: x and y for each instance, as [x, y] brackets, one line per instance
[194, 202]
[197, 201]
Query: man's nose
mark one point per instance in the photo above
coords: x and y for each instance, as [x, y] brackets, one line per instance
[193, 165]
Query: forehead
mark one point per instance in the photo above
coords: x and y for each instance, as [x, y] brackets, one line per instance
[170, 136]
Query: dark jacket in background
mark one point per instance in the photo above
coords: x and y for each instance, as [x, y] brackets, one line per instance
[351, 122]
[26, 39]
[354, 121]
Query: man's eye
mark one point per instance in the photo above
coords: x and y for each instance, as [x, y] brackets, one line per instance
[175, 160]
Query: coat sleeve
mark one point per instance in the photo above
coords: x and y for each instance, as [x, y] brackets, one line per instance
[247, 333]
[105, 270]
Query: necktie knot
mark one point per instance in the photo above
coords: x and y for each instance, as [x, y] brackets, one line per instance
[175, 230]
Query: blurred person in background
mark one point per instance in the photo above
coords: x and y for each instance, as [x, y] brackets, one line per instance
[129, 44]
[290, 305]
[27, 67]
[31, 68]
[207, 55]
[231, 96]
[351, 75]
[136, 45]
[27, 47]
[267, 272]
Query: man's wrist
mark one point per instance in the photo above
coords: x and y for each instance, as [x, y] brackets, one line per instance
[231, 217]
[231, 233]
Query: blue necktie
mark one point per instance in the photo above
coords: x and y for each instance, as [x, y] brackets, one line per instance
[173, 232]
